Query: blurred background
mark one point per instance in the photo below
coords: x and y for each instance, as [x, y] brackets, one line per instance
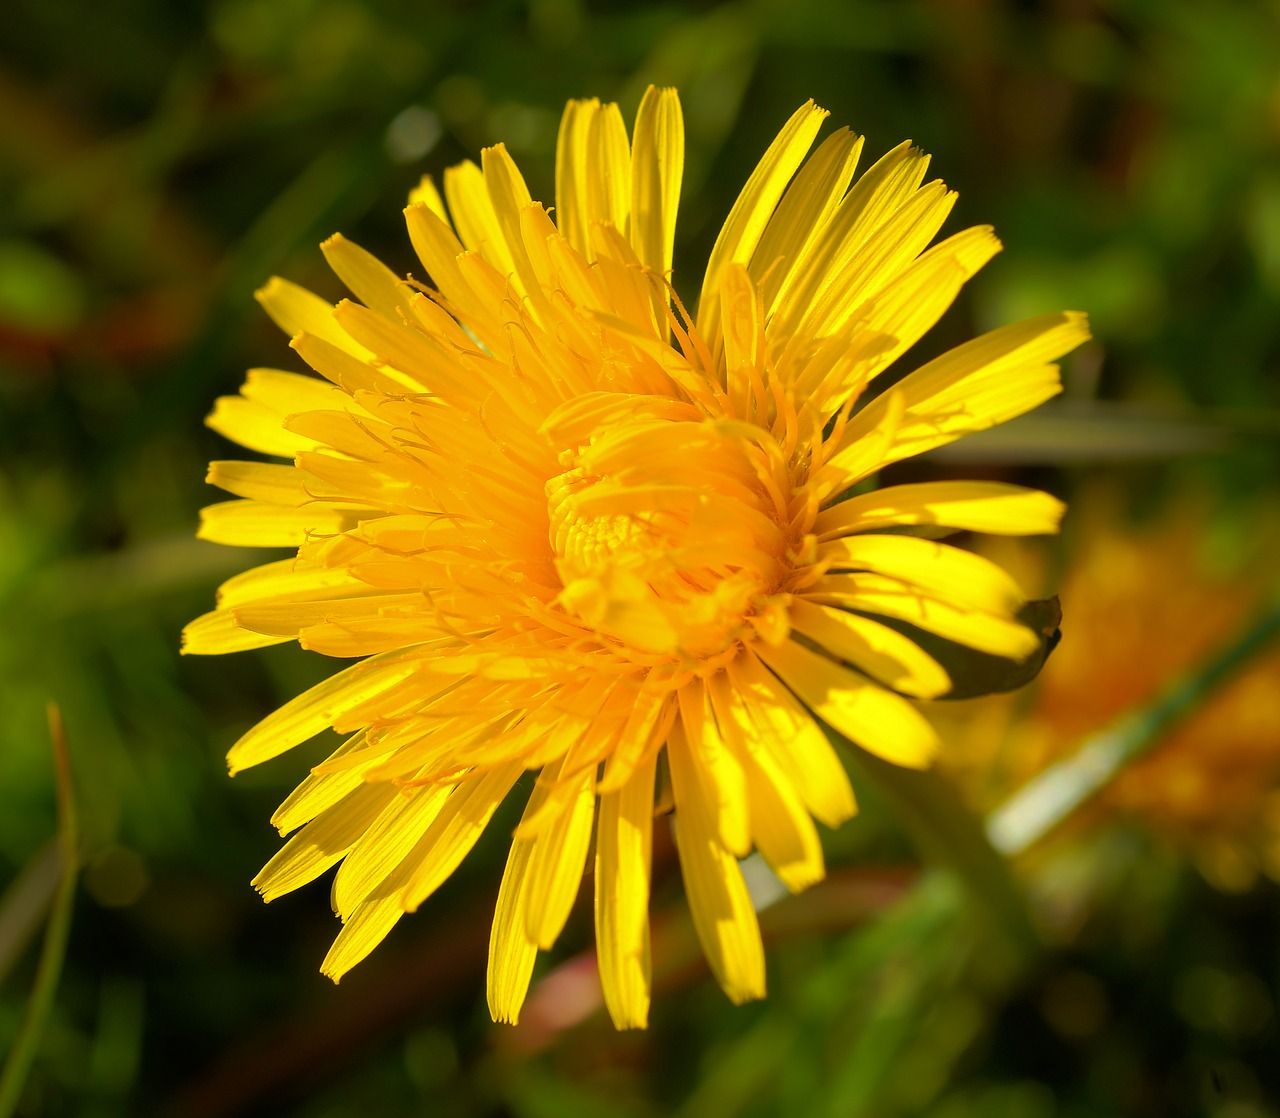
[159, 161]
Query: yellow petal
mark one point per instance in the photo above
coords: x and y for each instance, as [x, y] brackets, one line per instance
[975, 506]
[797, 741]
[884, 257]
[641, 737]
[438, 249]
[296, 310]
[288, 618]
[624, 843]
[348, 372]
[512, 952]
[213, 633]
[510, 197]
[1035, 341]
[254, 426]
[367, 927]
[754, 207]
[256, 418]
[783, 831]
[320, 790]
[637, 298]
[557, 860]
[878, 720]
[945, 571]
[875, 196]
[455, 830]
[718, 899]
[288, 580]
[255, 524]
[383, 848]
[409, 352]
[890, 597]
[804, 211]
[657, 168]
[536, 229]
[742, 342]
[364, 636]
[895, 318]
[259, 481]
[474, 217]
[323, 841]
[717, 777]
[875, 447]
[881, 652]
[608, 171]
[306, 715]
[287, 394]
[426, 194]
[573, 154]
[374, 917]
[371, 281]
[975, 386]
[341, 431]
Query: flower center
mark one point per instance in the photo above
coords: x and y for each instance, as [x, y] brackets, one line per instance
[662, 534]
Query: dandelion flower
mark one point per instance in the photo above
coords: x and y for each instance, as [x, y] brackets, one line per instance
[568, 529]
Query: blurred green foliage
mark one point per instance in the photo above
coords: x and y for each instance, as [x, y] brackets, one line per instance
[159, 161]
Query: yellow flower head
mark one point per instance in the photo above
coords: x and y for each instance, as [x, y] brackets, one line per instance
[573, 530]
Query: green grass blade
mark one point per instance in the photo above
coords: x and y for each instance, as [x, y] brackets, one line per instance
[49, 971]
[947, 834]
[25, 903]
[1049, 798]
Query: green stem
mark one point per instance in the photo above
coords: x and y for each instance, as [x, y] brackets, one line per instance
[948, 834]
[49, 971]
[1049, 798]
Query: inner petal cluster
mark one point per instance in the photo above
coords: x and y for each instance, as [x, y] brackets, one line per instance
[665, 537]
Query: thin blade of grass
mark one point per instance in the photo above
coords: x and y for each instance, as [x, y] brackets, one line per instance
[25, 903]
[49, 971]
[947, 834]
[1102, 431]
[1049, 798]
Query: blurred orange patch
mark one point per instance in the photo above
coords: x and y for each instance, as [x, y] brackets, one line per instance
[1144, 605]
